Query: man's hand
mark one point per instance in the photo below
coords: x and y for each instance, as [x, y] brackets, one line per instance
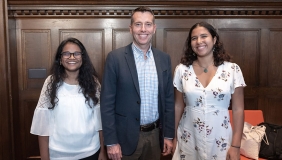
[167, 147]
[114, 152]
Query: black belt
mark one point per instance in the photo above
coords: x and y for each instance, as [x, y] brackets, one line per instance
[149, 127]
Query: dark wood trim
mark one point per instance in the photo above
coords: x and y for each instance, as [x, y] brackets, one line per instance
[85, 9]
[148, 2]
[6, 131]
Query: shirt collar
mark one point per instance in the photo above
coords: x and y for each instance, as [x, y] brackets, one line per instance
[138, 53]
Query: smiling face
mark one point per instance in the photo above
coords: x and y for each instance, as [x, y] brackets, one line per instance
[202, 41]
[142, 29]
[71, 64]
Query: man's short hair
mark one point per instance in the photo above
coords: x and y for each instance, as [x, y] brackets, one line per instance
[142, 9]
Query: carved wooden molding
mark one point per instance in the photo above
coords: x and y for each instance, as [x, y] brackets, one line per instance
[186, 10]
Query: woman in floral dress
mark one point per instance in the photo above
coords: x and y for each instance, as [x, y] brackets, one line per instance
[205, 82]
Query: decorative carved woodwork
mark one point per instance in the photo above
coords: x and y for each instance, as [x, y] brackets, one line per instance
[186, 10]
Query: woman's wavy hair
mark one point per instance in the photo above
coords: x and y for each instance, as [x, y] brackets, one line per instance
[219, 53]
[87, 77]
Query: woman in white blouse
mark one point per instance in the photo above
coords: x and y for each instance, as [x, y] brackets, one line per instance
[67, 116]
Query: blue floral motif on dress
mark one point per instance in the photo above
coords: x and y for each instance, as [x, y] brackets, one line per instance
[185, 136]
[217, 94]
[216, 112]
[184, 114]
[208, 130]
[224, 76]
[221, 144]
[200, 125]
[197, 148]
[199, 102]
[225, 122]
[198, 84]
[185, 75]
[182, 156]
[236, 68]
[214, 157]
[220, 97]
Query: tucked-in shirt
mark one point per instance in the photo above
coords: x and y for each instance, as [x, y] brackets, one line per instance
[72, 126]
[148, 84]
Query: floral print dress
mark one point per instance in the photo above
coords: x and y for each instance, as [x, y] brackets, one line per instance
[204, 131]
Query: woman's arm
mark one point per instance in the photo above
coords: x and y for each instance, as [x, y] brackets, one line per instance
[238, 115]
[238, 123]
[44, 147]
[102, 155]
[179, 109]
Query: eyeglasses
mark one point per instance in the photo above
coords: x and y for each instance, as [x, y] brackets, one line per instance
[67, 54]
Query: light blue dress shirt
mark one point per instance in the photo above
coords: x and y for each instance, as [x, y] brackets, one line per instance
[148, 85]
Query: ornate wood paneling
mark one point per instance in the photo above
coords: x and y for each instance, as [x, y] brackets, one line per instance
[181, 11]
[241, 39]
[30, 146]
[272, 109]
[121, 37]
[275, 56]
[174, 40]
[36, 53]
[250, 31]
[6, 132]
[243, 46]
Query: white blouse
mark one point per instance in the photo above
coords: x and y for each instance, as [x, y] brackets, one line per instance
[72, 126]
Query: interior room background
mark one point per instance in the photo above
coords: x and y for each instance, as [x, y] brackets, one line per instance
[31, 30]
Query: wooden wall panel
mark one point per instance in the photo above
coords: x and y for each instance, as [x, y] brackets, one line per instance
[272, 110]
[251, 102]
[31, 141]
[275, 57]
[36, 54]
[250, 34]
[241, 39]
[121, 37]
[6, 132]
[243, 46]
[174, 40]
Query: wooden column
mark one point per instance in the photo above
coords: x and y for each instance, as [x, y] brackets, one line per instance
[6, 143]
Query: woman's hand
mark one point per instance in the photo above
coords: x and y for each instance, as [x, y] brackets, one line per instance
[103, 154]
[174, 145]
[233, 154]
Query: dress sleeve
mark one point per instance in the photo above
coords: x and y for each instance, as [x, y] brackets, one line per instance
[41, 119]
[177, 80]
[238, 80]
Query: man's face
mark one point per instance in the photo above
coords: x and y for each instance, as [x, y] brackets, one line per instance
[142, 29]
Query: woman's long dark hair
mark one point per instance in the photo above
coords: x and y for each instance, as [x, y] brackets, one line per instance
[87, 77]
[219, 53]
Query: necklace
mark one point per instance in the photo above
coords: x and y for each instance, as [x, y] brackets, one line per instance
[205, 68]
